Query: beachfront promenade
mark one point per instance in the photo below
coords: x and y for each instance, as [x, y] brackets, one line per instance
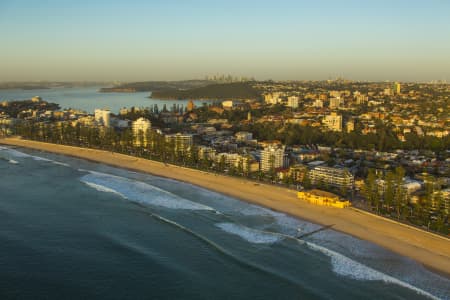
[429, 249]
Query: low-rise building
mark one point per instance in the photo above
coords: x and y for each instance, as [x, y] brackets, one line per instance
[243, 136]
[298, 172]
[206, 153]
[240, 162]
[182, 142]
[336, 177]
[322, 198]
[333, 122]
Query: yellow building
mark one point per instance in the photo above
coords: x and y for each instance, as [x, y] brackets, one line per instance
[322, 198]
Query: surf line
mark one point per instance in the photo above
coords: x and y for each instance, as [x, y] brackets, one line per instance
[224, 252]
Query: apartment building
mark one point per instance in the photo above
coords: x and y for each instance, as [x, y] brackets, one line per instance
[337, 177]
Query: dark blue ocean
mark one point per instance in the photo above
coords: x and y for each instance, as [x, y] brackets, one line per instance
[73, 229]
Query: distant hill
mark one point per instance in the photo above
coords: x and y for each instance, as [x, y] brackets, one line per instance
[236, 90]
[150, 86]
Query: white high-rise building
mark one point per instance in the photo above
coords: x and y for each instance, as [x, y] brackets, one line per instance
[293, 102]
[272, 157]
[103, 117]
[140, 128]
[333, 121]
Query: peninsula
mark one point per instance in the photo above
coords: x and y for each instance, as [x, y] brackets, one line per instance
[189, 89]
[220, 91]
[150, 86]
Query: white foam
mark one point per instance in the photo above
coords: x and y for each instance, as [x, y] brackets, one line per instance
[102, 188]
[287, 224]
[12, 161]
[38, 158]
[60, 163]
[249, 234]
[19, 154]
[16, 153]
[140, 192]
[347, 267]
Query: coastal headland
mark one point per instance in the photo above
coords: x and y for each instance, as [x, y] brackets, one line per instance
[431, 250]
[188, 89]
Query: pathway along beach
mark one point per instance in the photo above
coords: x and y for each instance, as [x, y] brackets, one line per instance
[429, 249]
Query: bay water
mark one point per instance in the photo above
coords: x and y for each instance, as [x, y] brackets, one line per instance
[89, 98]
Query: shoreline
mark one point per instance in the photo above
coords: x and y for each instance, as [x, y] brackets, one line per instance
[432, 251]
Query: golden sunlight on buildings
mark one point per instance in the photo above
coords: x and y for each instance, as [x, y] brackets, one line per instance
[322, 198]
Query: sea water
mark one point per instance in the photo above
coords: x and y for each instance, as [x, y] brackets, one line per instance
[89, 98]
[73, 229]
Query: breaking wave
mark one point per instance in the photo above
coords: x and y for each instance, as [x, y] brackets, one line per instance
[341, 264]
[249, 234]
[60, 163]
[287, 224]
[19, 154]
[38, 158]
[347, 267]
[102, 188]
[14, 152]
[140, 192]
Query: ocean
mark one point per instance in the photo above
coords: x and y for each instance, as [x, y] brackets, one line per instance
[74, 229]
[88, 98]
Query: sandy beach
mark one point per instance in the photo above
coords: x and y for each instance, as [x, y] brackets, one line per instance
[431, 250]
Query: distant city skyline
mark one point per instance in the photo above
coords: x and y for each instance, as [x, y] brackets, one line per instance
[395, 40]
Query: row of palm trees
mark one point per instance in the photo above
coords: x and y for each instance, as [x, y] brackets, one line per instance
[389, 199]
[387, 195]
[150, 144]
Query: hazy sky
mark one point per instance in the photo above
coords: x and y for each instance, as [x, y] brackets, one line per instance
[132, 40]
